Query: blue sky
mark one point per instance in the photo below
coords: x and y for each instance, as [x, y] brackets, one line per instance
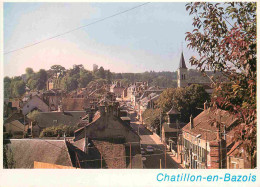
[144, 39]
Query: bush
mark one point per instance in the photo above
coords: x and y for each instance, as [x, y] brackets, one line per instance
[55, 131]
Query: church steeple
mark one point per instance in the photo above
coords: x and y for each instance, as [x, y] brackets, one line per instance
[182, 62]
[182, 73]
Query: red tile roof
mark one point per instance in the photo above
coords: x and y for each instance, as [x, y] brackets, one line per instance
[205, 123]
[74, 104]
[112, 153]
[235, 146]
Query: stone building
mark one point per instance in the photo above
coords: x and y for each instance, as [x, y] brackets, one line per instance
[208, 141]
[108, 137]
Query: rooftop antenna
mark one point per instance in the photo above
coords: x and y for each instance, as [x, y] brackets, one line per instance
[181, 46]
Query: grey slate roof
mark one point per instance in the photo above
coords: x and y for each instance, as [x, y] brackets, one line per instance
[48, 119]
[182, 62]
[24, 152]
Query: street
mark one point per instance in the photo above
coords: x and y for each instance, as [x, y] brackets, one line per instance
[151, 159]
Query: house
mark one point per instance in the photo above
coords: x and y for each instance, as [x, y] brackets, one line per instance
[101, 153]
[75, 104]
[52, 98]
[172, 129]
[22, 153]
[135, 90]
[29, 94]
[236, 157]
[124, 96]
[208, 140]
[35, 103]
[50, 83]
[16, 125]
[147, 102]
[49, 119]
[117, 89]
[109, 132]
[13, 106]
[81, 93]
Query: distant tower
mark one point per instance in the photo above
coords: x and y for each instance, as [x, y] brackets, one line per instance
[95, 67]
[182, 73]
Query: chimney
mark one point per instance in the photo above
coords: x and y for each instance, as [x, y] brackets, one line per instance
[206, 105]
[90, 114]
[191, 122]
[86, 145]
[218, 135]
[102, 109]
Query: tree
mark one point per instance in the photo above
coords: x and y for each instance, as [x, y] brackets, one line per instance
[225, 38]
[76, 69]
[8, 157]
[58, 69]
[108, 76]
[56, 131]
[69, 83]
[151, 118]
[85, 78]
[32, 84]
[17, 88]
[41, 78]
[33, 115]
[29, 71]
[101, 73]
[165, 101]
[190, 100]
[187, 101]
[7, 89]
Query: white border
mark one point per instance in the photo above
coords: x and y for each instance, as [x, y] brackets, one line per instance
[112, 177]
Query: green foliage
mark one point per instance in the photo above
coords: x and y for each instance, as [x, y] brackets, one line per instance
[8, 158]
[33, 115]
[85, 78]
[58, 131]
[17, 88]
[58, 69]
[125, 82]
[151, 118]
[32, 84]
[69, 83]
[165, 101]
[41, 77]
[225, 38]
[37, 80]
[29, 72]
[190, 100]
[100, 73]
[13, 87]
[7, 88]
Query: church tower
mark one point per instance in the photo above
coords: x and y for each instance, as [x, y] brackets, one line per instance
[182, 73]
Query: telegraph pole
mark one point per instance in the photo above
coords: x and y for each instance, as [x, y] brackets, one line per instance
[206, 156]
[161, 125]
[165, 156]
[130, 156]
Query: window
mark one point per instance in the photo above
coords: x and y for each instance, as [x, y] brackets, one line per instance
[233, 165]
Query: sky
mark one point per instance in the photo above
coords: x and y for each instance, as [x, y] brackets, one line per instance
[148, 38]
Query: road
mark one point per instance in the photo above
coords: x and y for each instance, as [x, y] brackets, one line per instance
[148, 138]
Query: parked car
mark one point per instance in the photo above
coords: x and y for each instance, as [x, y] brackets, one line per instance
[149, 149]
[142, 151]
